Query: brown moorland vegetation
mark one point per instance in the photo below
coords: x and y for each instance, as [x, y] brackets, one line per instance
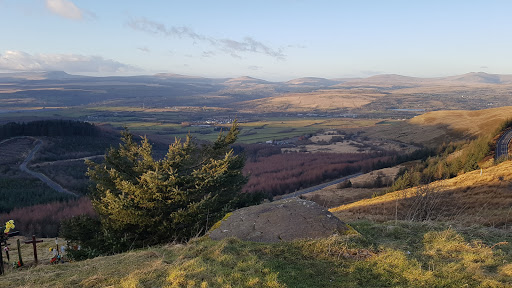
[470, 123]
[324, 100]
[438, 127]
[478, 197]
[383, 93]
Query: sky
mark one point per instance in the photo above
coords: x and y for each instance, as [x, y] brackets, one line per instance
[274, 40]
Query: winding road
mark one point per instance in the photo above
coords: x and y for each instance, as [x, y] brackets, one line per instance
[318, 187]
[502, 144]
[41, 176]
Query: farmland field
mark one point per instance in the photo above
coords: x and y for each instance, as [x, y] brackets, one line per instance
[202, 123]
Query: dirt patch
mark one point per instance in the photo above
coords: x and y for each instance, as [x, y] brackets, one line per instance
[348, 146]
[283, 220]
[386, 175]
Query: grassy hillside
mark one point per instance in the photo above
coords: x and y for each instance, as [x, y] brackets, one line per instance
[481, 197]
[438, 127]
[450, 250]
[473, 123]
[453, 250]
[402, 254]
[321, 100]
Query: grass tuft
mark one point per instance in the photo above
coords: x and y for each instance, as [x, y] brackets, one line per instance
[390, 254]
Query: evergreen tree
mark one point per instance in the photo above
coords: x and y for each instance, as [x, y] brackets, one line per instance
[174, 198]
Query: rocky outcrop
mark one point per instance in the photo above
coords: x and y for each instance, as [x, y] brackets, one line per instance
[283, 220]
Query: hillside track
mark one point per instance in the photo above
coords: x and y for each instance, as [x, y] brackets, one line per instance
[40, 176]
[67, 160]
[502, 144]
[317, 187]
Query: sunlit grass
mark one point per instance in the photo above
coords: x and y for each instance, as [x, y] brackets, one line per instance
[481, 197]
[402, 254]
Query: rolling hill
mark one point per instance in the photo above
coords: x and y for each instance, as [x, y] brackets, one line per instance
[438, 127]
[473, 123]
[385, 94]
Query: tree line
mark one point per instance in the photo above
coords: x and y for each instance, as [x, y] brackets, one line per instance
[48, 128]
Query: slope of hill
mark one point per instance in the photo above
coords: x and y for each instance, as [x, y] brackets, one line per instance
[478, 197]
[480, 77]
[457, 253]
[474, 123]
[319, 100]
[49, 75]
[468, 78]
[399, 254]
[315, 81]
[438, 127]
[388, 79]
[244, 80]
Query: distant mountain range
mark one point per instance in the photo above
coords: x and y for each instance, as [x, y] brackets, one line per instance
[388, 91]
[472, 77]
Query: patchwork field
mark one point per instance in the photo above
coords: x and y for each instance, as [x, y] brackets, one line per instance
[202, 123]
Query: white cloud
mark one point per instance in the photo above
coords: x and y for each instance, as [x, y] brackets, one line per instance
[207, 54]
[254, 67]
[71, 63]
[144, 49]
[229, 46]
[65, 8]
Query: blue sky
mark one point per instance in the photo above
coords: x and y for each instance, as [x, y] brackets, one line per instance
[272, 40]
